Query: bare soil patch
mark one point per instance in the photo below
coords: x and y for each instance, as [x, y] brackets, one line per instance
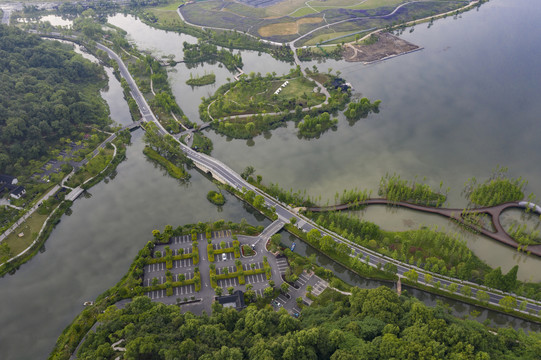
[288, 28]
[387, 45]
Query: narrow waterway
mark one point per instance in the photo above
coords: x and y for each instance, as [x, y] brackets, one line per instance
[457, 308]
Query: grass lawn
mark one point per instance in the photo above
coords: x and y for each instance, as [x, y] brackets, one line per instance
[353, 4]
[257, 96]
[32, 225]
[303, 11]
[166, 16]
[172, 6]
[324, 37]
[288, 28]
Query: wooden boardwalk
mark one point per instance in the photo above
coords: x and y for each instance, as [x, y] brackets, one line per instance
[455, 214]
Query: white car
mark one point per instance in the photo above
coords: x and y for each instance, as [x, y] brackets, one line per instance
[224, 256]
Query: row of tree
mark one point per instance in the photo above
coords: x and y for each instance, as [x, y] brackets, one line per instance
[432, 250]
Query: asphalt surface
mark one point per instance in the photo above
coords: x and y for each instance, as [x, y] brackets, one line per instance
[285, 213]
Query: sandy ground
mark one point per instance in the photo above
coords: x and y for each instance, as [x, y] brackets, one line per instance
[386, 46]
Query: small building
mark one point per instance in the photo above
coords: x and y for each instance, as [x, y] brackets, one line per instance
[17, 192]
[8, 180]
[235, 300]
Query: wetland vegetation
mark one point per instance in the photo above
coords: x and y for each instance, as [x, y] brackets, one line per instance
[497, 189]
[203, 80]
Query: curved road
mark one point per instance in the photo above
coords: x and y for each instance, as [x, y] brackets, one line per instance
[285, 213]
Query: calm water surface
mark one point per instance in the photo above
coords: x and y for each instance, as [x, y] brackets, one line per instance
[467, 102]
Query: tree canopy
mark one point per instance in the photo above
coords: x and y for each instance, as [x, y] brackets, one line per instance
[48, 92]
[370, 324]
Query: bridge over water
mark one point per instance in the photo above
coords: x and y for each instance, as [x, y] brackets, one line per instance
[458, 215]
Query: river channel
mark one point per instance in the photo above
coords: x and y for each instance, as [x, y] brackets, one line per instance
[465, 103]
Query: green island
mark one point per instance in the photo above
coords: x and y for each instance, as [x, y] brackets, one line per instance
[311, 127]
[203, 80]
[256, 103]
[216, 198]
[164, 150]
[203, 52]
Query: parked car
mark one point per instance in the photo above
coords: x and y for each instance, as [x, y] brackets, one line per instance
[224, 256]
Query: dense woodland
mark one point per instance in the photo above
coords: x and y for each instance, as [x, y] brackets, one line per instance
[48, 93]
[370, 324]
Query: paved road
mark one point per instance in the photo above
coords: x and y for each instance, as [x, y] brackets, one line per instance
[285, 213]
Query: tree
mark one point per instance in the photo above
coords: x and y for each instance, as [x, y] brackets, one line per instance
[412, 275]
[482, 296]
[259, 202]
[509, 281]
[218, 290]
[494, 278]
[230, 290]
[309, 289]
[222, 244]
[299, 301]
[428, 278]
[391, 268]
[248, 171]
[508, 303]
[284, 288]
[327, 243]
[249, 295]
[268, 292]
[466, 290]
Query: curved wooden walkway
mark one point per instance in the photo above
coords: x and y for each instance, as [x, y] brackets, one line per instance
[455, 214]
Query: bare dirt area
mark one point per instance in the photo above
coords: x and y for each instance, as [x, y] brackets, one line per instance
[289, 28]
[387, 45]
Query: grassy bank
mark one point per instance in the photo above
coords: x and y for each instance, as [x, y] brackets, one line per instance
[171, 168]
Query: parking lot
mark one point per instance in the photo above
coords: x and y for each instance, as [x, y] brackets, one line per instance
[183, 291]
[282, 265]
[220, 257]
[258, 282]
